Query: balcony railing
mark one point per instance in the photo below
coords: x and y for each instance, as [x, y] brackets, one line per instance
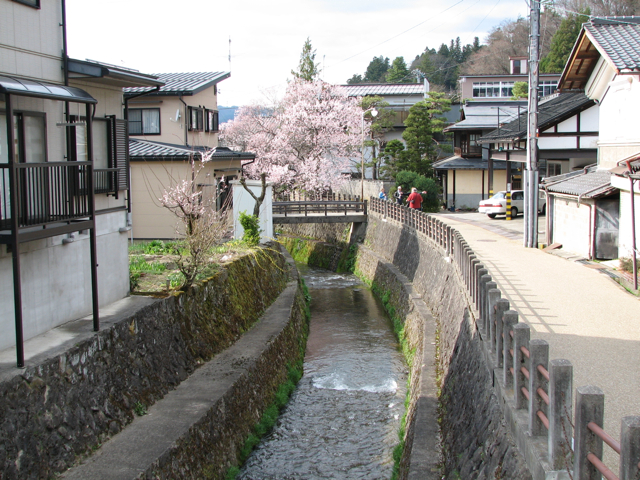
[47, 193]
[105, 180]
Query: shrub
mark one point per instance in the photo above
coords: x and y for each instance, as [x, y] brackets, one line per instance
[251, 226]
[432, 199]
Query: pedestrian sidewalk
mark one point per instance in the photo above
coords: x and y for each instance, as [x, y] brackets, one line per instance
[586, 317]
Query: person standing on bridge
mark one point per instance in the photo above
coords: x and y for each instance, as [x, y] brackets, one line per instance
[398, 195]
[382, 195]
[415, 199]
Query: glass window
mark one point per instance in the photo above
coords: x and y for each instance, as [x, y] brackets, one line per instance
[212, 121]
[34, 139]
[100, 143]
[144, 121]
[195, 119]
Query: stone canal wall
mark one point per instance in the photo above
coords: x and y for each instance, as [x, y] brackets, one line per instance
[474, 441]
[454, 426]
[66, 407]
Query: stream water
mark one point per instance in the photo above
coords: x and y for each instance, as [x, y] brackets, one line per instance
[342, 421]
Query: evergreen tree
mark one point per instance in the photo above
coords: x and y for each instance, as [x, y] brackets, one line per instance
[356, 79]
[399, 73]
[391, 154]
[377, 70]
[307, 69]
[423, 122]
[562, 43]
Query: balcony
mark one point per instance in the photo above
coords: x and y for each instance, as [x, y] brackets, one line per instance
[47, 193]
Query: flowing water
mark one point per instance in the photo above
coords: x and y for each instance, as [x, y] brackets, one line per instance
[342, 421]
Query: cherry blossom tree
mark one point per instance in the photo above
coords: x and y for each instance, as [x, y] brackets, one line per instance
[306, 140]
[200, 225]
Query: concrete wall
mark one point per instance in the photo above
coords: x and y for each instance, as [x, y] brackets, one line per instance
[244, 202]
[72, 402]
[571, 224]
[56, 278]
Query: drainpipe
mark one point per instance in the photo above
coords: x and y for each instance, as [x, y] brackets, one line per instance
[186, 120]
[633, 229]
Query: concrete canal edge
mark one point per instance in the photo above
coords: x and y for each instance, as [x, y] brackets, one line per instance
[185, 359]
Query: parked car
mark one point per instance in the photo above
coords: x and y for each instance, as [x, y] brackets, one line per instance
[497, 205]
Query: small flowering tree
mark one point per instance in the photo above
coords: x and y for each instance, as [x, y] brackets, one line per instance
[198, 222]
[305, 141]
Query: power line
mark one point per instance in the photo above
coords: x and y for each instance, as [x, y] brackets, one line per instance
[395, 36]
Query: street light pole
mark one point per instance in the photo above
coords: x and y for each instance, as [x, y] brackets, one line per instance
[374, 113]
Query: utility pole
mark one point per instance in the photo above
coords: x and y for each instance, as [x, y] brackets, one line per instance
[531, 172]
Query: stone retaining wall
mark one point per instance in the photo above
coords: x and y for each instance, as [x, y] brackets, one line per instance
[66, 407]
[475, 442]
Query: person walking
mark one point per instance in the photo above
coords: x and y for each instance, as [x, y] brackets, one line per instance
[415, 199]
[398, 195]
[382, 195]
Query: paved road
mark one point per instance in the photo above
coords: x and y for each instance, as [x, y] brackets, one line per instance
[584, 315]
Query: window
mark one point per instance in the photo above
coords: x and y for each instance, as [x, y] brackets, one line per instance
[212, 121]
[492, 89]
[195, 119]
[144, 121]
[547, 87]
[31, 3]
[554, 169]
[516, 67]
[30, 137]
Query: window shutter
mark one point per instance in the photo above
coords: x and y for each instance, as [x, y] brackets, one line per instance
[121, 151]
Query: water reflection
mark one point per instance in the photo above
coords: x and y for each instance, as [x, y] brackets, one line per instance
[342, 421]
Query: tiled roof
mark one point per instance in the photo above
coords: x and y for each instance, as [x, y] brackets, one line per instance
[619, 37]
[146, 150]
[183, 83]
[384, 89]
[553, 110]
[479, 115]
[456, 162]
[588, 183]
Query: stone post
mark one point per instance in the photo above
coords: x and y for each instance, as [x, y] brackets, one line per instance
[589, 408]
[630, 448]
[482, 292]
[492, 301]
[510, 318]
[522, 333]
[486, 314]
[538, 356]
[560, 413]
[501, 308]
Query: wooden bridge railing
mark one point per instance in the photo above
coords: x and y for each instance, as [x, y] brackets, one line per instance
[324, 207]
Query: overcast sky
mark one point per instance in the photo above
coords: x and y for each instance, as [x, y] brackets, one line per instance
[267, 36]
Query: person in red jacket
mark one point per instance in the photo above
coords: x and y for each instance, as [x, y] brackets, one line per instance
[415, 199]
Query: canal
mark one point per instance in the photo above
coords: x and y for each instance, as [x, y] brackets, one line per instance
[343, 419]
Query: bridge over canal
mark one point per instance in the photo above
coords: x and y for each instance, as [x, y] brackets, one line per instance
[345, 210]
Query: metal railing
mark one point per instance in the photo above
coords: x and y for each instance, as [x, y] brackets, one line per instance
[105, 180]
[46, 192]
[542, 387]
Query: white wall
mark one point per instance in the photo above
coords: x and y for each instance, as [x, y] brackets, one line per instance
[571, 225]
[244, 202]
[625, 240]
[619, 119]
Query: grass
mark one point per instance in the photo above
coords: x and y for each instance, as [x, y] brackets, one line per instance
[153, 264]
